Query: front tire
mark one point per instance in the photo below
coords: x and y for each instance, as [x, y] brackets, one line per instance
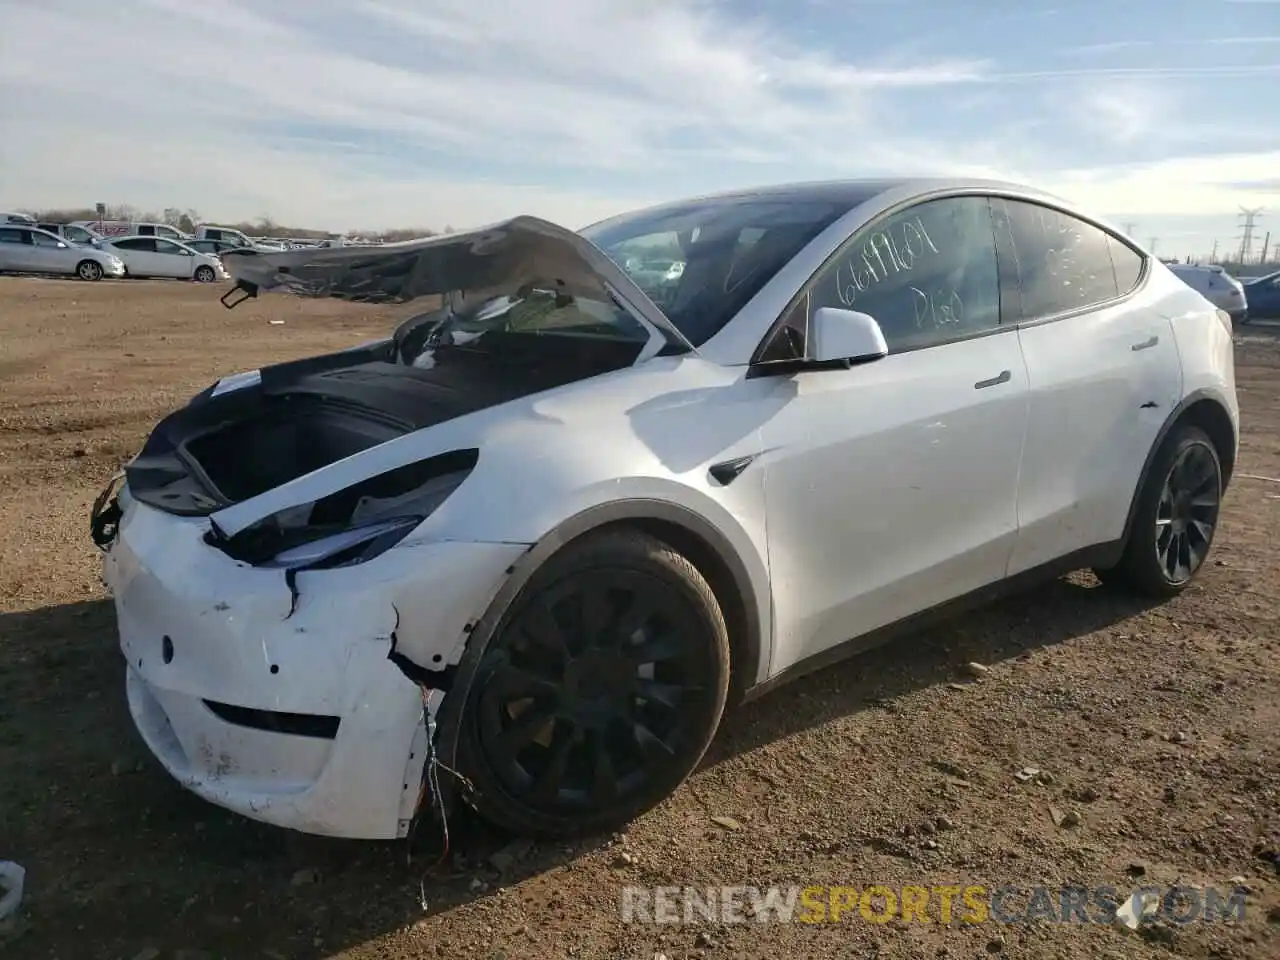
[89, 270]
[205, 274]
[1175, 518]
[600, 691]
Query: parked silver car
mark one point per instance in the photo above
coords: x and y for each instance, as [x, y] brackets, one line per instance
[28, 250]
[145, 256]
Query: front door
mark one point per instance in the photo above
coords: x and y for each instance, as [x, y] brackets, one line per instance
[891, 487]
[173, 260]
[51, 254]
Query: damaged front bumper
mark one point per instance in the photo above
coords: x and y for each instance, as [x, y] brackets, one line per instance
[283, 704]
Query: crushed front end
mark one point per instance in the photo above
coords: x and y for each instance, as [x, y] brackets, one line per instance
[274, 691]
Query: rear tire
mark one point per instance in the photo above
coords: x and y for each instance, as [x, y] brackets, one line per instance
[1175, 518]
[599, 692]
[205, 274]
[89, 270]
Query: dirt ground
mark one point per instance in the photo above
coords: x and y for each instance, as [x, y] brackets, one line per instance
[1157, 726]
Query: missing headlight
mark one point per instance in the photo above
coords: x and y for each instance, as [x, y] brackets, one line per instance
[354, 524]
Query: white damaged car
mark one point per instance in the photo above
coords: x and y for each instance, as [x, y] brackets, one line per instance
[547, 530]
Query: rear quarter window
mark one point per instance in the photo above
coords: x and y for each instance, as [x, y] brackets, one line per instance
[1128, 265]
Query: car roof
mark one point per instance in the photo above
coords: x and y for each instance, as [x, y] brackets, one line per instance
[856, 191]
[851, 193]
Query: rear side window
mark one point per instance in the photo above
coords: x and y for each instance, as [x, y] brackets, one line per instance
[8, 235]
[137, 243]
[146, 230]
[1063, 263]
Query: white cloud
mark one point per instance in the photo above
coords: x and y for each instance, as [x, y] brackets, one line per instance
[1190, 186]
[373, 113]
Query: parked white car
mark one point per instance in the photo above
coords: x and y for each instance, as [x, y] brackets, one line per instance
[29, 250]
[544, 532]
[1216, 285]
[157, 257]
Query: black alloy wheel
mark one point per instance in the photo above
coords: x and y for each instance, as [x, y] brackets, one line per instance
[1175, 517]
[601, 691]
[1187, 512]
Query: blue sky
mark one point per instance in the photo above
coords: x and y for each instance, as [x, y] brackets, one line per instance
[378, 113]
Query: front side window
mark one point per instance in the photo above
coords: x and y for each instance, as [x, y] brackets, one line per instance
[928, 274]
[1063, 263]
[165, 246]
[44, 239]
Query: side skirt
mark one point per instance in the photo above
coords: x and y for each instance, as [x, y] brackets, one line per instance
[1103, 555]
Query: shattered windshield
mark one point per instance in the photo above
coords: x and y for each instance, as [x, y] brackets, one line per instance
[701, 261]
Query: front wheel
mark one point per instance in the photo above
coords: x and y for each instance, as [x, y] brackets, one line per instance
[600, 691]
[89, 270]
[1175, 519]
[205, 274]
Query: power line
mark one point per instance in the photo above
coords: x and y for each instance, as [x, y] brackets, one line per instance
[1246, 236]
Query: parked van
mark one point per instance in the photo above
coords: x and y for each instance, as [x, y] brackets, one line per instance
[225, 234]
[1216, 285]
[125, 228]
[81, 236]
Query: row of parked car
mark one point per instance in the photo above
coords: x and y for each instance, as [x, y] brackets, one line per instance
[32, 250]
[1255, 298]
[92, 250]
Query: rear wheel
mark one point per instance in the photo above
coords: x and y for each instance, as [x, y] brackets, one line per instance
[600, 692]
[1175, 518]
[205, 274]
[89, 270]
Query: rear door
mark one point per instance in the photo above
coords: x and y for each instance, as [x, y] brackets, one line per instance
[1104, 374]
[891, 486]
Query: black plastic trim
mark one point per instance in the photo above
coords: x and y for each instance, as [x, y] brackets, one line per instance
[273, 721]
[727, 471]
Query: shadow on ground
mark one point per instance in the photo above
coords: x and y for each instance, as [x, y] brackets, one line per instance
[111, 843]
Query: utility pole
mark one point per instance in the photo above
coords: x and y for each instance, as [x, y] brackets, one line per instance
[1130, 227]
[1266, 244]
[1213, 257]
[1151, 245]
[1246, 236]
